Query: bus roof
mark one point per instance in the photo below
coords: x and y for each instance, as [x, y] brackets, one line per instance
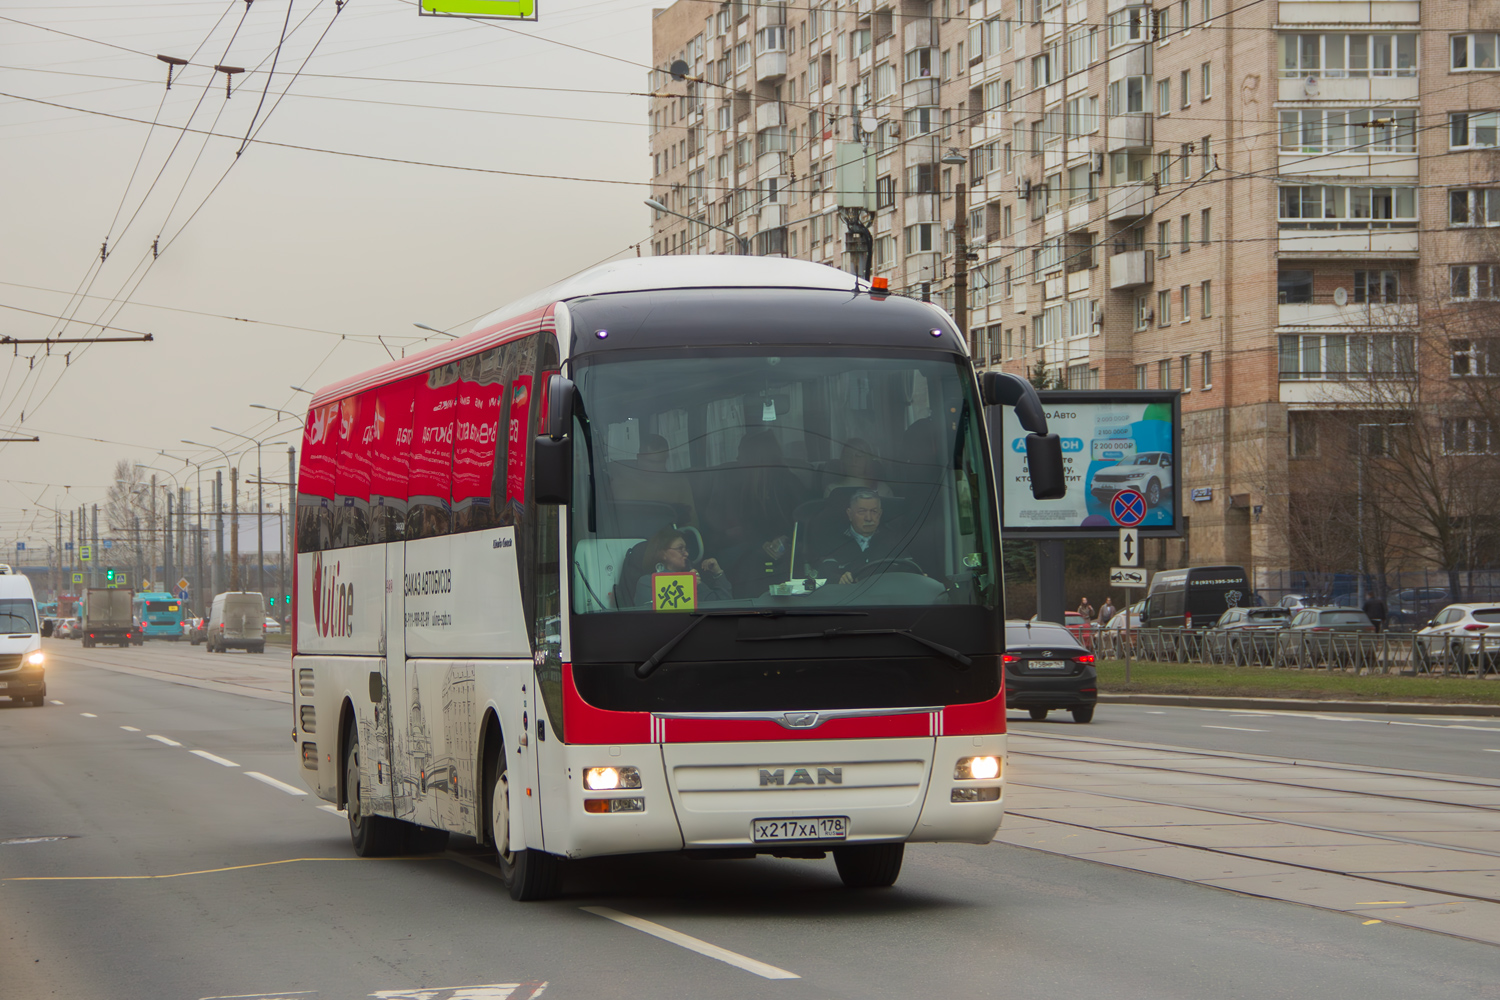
[636, 274]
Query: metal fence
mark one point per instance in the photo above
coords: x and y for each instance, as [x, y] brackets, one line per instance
[1297, 649]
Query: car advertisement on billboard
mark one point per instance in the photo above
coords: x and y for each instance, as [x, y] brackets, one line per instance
[1121, 458]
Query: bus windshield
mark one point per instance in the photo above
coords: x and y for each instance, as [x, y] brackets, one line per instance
[721, 480]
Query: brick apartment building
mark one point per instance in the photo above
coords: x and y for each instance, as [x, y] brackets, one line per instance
[1252, 203]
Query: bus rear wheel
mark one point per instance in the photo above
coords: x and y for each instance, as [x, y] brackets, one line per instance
[529, 874]
[373, 836]
[869, 866]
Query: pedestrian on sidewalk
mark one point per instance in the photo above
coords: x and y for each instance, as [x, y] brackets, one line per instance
[1107, 612]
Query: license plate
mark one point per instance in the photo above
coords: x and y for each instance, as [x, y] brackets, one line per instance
[1046, 664]
[811, 828]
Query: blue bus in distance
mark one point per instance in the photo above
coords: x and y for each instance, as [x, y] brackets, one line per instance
[159, 615]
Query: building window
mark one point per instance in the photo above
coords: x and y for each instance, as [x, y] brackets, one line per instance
[1127, 96]
[1318, 206]
[885, 192]
[1302, 435]
[1474, 207]
[1468, 436]
[921, 238]
[1474, 356]
[1164, 374]
[1163, 239]
[1205, 220]
[1294, 287]
[1142, 313]
[1185, 234]
[1140, 377]
[1208, 369]
[1163, 97]
[1335, 130]
[1474, 282]
[921, 179]
[1182, 84]
[1206, 79]
[1351, 56]
[1128, 25]
[1377, 286]
[1187, 372]
[919, 64]
[1206, 293]
[1164, 308]
[1473, 129]
[1475, 52]
[1337, 356]
[1182, 300]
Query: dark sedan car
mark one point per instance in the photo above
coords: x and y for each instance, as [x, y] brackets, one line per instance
[1046, 668]
[1246, 635]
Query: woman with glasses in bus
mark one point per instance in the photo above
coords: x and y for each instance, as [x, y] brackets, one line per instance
[667, 552]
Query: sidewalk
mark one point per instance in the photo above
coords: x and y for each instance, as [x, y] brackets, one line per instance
[1304, 704]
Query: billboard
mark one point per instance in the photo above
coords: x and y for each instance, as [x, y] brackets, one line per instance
[510, 10]
[1121, 453]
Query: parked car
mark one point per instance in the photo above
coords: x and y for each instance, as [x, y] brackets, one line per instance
[1413, 606]
[1324, 636]
[1194, 597]
[1292, 601]
[237, 620]
[1149, 472]
[1126, 617]
[1080, 627]
[1246, 635]
[1047, 668]
[1463, 636]
[273, 627]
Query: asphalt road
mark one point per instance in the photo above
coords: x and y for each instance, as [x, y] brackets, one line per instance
[188, 872]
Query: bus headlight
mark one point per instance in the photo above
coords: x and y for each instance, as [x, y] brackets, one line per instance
[976, 768]
[36, 658]
[604, 779]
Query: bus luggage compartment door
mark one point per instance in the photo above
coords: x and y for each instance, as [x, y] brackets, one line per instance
[721, 789]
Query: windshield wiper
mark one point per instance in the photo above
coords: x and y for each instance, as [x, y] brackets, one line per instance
[655, 659]
[948, 651]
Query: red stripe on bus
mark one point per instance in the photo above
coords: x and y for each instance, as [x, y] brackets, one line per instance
[583, 723]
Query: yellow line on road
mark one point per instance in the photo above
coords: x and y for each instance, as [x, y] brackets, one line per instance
[206, 871]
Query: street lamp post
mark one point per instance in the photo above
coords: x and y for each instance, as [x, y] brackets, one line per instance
[260, 510]
[742, 241]
[234, 523]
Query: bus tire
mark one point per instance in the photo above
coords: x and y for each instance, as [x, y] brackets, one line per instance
[529, 874]
[373, 836]
[869, 866]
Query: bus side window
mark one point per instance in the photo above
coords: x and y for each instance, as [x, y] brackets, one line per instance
[315, 480]
[351, 511]
[390, 451]
[481, 390]
[431, 478]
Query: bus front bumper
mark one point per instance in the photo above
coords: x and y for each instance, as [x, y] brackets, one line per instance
[739, 796]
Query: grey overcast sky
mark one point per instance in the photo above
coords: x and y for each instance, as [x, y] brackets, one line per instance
[322, 253]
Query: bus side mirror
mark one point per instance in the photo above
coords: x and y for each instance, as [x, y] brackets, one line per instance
[1005, 389]
[552, 451]
[1044, 460]
[560, 395]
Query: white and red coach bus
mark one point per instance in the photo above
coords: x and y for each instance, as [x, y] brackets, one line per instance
[682, 554]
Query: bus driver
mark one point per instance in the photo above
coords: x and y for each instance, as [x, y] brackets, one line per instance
[861, 543]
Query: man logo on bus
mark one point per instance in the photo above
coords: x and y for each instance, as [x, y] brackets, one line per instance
[333, 602]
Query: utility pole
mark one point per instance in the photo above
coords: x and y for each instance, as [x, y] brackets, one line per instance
[260, 526]
[234, 528]
[95, 549]
[151, 543]
[219, 530]
[166, 547]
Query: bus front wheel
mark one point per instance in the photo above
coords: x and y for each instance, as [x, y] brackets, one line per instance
[529, 874]
[373, 836]
[869, 866]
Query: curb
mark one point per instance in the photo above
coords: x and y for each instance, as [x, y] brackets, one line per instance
[1302, 704]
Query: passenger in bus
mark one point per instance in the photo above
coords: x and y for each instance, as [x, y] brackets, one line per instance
[752, 513]
[667, 552]
[856, 466]
[648, 478]
[861, 543]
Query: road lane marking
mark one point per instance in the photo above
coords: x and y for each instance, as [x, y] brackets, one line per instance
[1369, 922]
[56, 702]
[205, 871]
[1428, 725]
[88, 715]
[257, 996]
[163, 739]
[483, 991]
[1487, 750]
[216, 759]
[130, 729]
[1384, 902]
[691, 943]
[289, 789]
[1238, 729]
[1156, 713]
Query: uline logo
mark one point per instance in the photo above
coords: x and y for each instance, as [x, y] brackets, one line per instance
[826, 776]
[502, 543]
[333, 602]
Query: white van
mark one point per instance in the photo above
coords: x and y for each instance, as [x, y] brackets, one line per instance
[237, 620]
[23, 675]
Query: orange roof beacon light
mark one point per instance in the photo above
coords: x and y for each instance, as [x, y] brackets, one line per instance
[879, 287]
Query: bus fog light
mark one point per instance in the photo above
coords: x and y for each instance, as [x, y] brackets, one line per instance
[975, 795]
[36, 658]
[976, 768]
[604, 779]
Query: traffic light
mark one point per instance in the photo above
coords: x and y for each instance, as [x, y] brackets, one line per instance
[109, 576]
[288, 600]
[273, 601]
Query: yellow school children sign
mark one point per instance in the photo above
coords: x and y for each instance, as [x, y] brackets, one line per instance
[515, 9]
[674, 592]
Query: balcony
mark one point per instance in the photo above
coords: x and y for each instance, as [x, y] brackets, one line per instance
[1349, 11]
[1294, 243]
[1372, 165]
[1132, 269]
[770, 65]
[1378, 90]
[769, 115]
[921, 91]
[1128, 131]
[1326, 311]
[1129, 201]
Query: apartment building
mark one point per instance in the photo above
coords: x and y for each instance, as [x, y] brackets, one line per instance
[1253, 203]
